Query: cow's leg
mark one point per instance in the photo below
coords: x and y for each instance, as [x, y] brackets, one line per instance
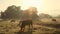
[29, 27]
[23, 28]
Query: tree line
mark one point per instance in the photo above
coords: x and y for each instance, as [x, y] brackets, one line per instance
[15, 12]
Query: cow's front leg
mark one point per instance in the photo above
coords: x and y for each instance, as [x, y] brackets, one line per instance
[23, 28]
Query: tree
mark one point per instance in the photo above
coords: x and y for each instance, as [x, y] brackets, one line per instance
[30, 13]
[13, 12]
[2, 15]
[42, 15]
[59, 15]
[33, 12]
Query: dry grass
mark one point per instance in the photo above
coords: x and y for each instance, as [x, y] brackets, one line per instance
[6, 27]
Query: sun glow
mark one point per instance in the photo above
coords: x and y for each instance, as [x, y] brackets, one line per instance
[28, 3]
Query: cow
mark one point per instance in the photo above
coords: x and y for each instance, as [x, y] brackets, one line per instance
[12, 20]
[54, 20]
[25, 23]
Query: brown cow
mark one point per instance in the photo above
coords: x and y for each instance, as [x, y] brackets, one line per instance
[12, 20]
[24, 23]
[53, 19]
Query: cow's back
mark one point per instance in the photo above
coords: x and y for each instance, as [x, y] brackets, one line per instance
[26, 22]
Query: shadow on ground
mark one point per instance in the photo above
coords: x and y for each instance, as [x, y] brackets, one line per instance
[22, 32]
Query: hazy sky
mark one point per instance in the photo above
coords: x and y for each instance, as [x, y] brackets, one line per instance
[51, 7]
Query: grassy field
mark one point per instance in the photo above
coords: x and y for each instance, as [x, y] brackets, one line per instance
[45, 26]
